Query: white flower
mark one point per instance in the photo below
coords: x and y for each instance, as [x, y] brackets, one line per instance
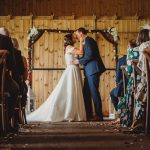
[146, 26]
[113, 32]
[32, 33]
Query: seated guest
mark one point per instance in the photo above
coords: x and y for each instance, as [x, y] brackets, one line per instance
[125, 104]
[19, 72]
[118, 90]
[11, 86]
[25, 76]
[18, 62]
[141, 88]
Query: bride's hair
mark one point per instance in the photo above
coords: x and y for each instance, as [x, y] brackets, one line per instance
[68, 40]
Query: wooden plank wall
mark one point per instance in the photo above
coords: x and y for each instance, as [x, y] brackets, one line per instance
[49, 50]
[53, 56]
[77, 7]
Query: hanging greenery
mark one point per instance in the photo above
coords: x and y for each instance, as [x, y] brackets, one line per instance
[110, 34]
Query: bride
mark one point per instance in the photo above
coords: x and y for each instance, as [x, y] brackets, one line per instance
[66, 101]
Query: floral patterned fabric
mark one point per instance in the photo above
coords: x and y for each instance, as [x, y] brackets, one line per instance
[142, 86]
[125, 106]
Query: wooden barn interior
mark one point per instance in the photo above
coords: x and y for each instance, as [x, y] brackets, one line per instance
[48, 64]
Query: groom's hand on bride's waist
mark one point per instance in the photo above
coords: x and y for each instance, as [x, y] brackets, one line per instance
[75, 62]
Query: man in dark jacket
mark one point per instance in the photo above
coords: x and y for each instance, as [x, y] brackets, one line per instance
[93, 68]
[118, 90]
[18, 73]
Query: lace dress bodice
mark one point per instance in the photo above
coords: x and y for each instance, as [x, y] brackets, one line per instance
[69, 56]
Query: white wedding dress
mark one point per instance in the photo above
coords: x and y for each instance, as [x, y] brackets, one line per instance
[66, 102]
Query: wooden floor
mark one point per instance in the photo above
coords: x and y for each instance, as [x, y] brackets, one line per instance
[75, 135]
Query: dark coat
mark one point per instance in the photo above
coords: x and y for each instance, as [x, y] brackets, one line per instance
[119, 81]
[6, 44]
[91, 59]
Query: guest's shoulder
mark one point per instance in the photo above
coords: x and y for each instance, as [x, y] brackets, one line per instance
[17, 51]
[136, 48]
[4, 36]
[144, 45]
[1, 35]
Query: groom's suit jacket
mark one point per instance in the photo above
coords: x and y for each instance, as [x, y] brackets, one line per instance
[91, 59]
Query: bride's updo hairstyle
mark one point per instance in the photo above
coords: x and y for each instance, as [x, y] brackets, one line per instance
[68, 40]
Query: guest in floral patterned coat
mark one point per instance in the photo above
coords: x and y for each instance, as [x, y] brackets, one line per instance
[141, 90]
[126, 103]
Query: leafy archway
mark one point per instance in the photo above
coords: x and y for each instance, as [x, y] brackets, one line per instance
[34, 34]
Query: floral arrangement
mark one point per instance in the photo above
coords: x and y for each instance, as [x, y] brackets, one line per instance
[113, 32]
[146, 26]
[33, 32]
[110, 34]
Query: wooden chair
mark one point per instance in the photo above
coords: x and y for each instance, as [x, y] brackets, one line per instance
[25, 76]
[3, 94]
[21, 111]
[4, 121]
[18, 111]
[124, 77]
[147, 66]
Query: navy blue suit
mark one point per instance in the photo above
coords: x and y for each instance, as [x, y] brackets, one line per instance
[118, 91]
[93, 68]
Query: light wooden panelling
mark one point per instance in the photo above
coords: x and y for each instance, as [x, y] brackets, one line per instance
[49, 50]
[50, 54]
[18, 27]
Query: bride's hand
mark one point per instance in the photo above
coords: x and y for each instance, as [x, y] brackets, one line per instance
[81, 39]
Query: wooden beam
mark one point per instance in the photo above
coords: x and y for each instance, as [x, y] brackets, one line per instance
[94, 17]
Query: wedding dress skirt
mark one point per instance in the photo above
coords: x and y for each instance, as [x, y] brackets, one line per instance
[66, 102]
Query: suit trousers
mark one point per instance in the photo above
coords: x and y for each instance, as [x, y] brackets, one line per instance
[91, 90]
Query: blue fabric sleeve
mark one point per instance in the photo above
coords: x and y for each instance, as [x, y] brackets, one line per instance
[88, 54]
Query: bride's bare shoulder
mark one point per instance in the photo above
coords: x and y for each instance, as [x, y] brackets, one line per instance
[69, 46]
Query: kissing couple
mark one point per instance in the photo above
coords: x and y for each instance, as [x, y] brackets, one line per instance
[71, 100]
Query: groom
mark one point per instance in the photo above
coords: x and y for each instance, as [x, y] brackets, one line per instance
[93, 68]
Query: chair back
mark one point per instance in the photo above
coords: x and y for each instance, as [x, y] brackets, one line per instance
[3, 117]
[147, 66]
